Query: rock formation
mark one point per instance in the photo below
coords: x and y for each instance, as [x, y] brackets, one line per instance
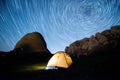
[32, 42]
[31, 48]
[103, 42]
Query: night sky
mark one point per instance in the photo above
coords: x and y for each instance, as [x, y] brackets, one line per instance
[61, 22]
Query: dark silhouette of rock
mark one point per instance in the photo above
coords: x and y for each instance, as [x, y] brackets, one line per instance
[85, 65]
[106, 42]
[30, 49]
[32, 42]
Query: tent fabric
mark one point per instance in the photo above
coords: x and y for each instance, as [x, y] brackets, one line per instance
[60, 59]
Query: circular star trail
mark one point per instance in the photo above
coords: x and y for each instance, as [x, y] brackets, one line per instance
[61, 22]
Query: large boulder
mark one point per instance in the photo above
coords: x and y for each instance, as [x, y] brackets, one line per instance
[31, 48]
[31, 43]
[107, 41]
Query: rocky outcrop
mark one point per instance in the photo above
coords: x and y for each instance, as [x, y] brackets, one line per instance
[31, 48]
[105, 41]
[31, 43]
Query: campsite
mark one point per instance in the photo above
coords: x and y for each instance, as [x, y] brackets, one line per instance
[83, 68]
[59, 39]
[59, 60]
[86, 59]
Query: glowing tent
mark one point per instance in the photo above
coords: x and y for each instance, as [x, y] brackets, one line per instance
[59, 60]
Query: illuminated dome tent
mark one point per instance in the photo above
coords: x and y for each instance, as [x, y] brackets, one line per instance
[59, 60]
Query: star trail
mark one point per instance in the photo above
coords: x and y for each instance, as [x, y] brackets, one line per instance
[61, 22]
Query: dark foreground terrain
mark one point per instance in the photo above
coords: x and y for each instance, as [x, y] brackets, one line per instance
[93, 67]
[94, 58]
